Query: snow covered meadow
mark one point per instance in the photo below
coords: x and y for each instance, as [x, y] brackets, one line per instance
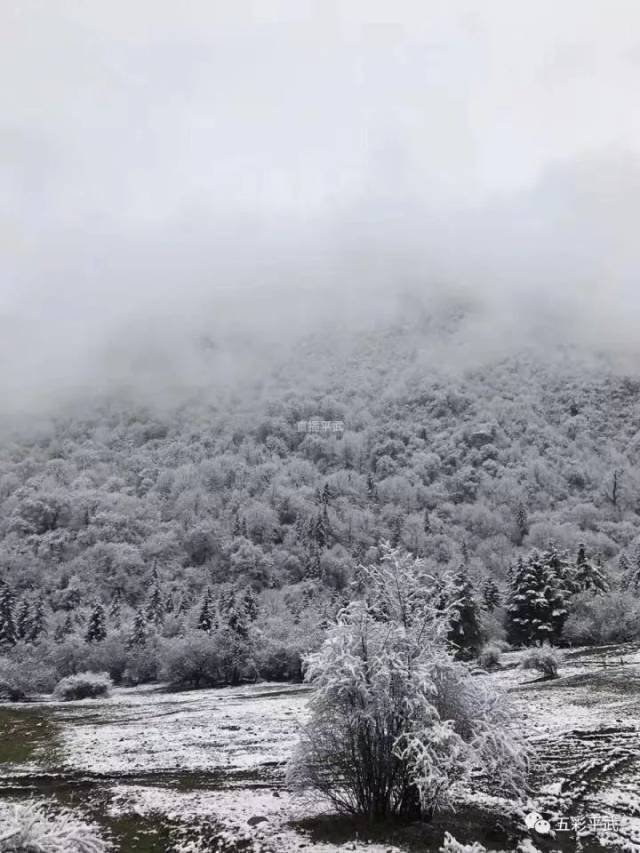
[204, 770]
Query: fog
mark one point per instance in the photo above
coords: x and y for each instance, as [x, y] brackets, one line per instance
[227, 176]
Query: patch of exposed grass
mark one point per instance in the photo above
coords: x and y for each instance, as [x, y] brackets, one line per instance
[27, 736]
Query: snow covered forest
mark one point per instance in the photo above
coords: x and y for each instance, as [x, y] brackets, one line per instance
[128, 529]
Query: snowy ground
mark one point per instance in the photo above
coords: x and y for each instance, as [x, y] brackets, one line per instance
[203, 770]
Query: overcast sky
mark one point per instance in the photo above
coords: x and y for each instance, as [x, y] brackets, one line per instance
[172, 165]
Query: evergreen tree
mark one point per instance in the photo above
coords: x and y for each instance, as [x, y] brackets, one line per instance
[491, 595]
[115, 608]
[169, 603]
[38, 621]
[587, 576]
[522, 522]
[64, 629]
[536, 611]
[7, 620]
[320, 532]
[97, 626]
[23, 620]
[138, 636]
[250, 604]
[464, 631]
[237, 620]
[625, 572]
[206, 620]
[155, 608]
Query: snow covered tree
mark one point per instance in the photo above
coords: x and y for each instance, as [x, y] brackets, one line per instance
[155, 608]
[395, 722]
[23, 620]
[97, 625]
[38, 627]
[491, 595]
[588, 576]
[464, 618]
[138, 636]
[115, 608]
[536, 611]
[250, 604]
[206, 620]
[7, 619]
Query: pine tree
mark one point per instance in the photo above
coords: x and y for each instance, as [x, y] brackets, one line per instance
[169, 603]
[522, 522]
[625, 572]
[206, 620]
[97, 625]
[138, 636]
[23, 620]
[587, 576]
[237, 620]
[7, 621]
[115, 608]
[326, 494]
[464, 632]
[155, 608]
[536, 611]
[250, 604]
[320, 532]
[38, 621]
[64, 629]
[491, 595]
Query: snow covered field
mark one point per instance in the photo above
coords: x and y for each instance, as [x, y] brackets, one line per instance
[203, 770]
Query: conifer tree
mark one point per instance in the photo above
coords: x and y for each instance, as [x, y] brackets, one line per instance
[536, 611]
[587, 576]
[206, 620]
[64, 629]
[155, 608]
[138, 636]
[464, 631]
[38, 620]
[169, 603]
[115, 608]
[250, 604]
[23, 620]
[320, 532]
[7, 619]
[97, 625]
[491, 595]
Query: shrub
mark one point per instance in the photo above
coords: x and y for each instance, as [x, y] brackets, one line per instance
[602, 619]
[23, 675]
[395, 722]
[490, 657]
[543, 659]
[84, 685]
[191, 661]
[27, 828]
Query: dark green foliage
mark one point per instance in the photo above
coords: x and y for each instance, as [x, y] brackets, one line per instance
[97, 625]
[536, 611]
[464, 633]
[588, 576]
[8, 634]
[491, 596]
[38, 626]
[206, 619]
[138, 636]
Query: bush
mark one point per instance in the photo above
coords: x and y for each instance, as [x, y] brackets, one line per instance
[544, 660]
[490, 657]
[602, 619]
[27, 828]
[191, 661]
[23, 675]
[84, 685]
[207, 660]
[395, 722]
